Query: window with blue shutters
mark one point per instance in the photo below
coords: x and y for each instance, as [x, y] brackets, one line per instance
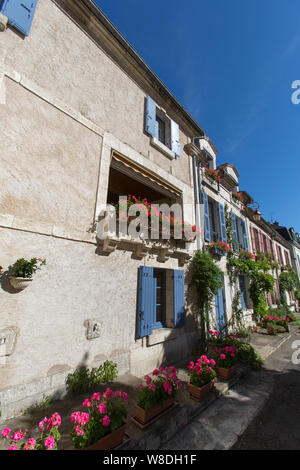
[153, 300]
[20, 13]
[159, 126]
[146, 301]
[221, 316]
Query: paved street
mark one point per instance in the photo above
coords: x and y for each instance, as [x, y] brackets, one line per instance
[277, 426]
[261, 412]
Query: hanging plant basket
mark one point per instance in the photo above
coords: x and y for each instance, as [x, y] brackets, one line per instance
[19, 283]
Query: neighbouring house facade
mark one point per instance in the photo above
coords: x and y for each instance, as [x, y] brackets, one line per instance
[83, 122]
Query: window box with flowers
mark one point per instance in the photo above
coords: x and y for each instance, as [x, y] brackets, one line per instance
[160, 220]
[226, 361]
[202, 377]
[102, 426]
[220, 248]
[212, 174]
[157, 396]
[237, 197]
[22, 272]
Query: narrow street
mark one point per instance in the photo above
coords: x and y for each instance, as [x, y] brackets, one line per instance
[277, 425]
[260, 412]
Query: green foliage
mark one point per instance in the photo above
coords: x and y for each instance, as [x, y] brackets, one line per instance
[46, 401]
[260, 281]
[207, 277]
[288, 281]
[84, 379]
[297, 295]
[26, 268]
[249, 355]
[243, 332]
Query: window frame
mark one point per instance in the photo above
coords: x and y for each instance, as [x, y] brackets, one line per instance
[158, 324]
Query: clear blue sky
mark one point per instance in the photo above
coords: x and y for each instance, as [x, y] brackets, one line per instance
[231, 64]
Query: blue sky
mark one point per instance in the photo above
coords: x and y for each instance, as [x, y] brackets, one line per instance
[231, 64]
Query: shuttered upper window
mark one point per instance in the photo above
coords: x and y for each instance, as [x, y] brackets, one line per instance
[161, 127]
[19, 13]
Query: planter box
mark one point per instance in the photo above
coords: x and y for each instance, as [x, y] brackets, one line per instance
[143, 416]
[271, 331]
[110, 441]
[226, 373]
[20, 283]
[199, 393]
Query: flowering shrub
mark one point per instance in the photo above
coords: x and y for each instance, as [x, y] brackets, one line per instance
[163, 385]
[237, 197]
[226, 357]
[251, 255]
[212, 174]
[26, 268]
[104, 414]
[48, 440]
[279, 324]
[221, 246]
[213, 336]
[202, 371]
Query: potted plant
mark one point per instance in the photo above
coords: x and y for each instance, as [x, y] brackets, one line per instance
[49, 436]
[157, 395]
[202, 377]
[238, 197]
[226, 360]
[213, 174]
[102, 426]
[22, 271]
[220, 248]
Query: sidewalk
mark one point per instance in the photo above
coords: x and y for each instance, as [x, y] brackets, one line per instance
[206, 422]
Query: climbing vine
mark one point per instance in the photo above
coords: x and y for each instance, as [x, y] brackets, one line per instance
[207, 277]
[288, 281]
[236, 319]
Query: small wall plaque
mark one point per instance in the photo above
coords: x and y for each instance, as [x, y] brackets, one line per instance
[93, 329]
[7, 341]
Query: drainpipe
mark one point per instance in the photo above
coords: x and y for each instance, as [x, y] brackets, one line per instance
[197, 199]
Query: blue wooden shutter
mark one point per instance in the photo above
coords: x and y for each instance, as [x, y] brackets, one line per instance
[146, 301]
[179, 307]
[206, 217]
[235, 231]
[243, 295]
[175, 139]
[223, 233]
[150, 120]
[19, 13]
[245, 238]
[220, 311]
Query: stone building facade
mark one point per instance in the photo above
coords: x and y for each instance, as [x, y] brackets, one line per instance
[83, 121]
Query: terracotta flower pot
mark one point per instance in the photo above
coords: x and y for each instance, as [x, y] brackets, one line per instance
[20, 283]
[201, 392]
[146, 415]
[110, 441]
[224, 373]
